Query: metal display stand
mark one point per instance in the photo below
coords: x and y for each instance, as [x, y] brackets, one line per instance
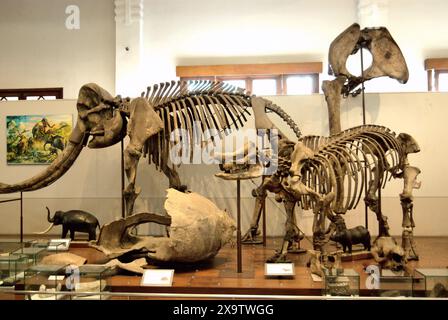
[366, 210]
[238, 227]
[123, 206]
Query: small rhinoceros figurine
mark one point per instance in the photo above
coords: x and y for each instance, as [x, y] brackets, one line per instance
[73, 220]
[349, 237]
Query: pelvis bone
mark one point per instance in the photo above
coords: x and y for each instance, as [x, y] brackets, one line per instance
[197, 231]
[387, 57]
[387, 60]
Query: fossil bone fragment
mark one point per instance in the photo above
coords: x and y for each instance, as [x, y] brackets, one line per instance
[320, 262]
[389, 254]
[64, 258]
[135, 266]
[197, 231]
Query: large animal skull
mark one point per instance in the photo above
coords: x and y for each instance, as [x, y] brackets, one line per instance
[197, 231]
[389, 254]
[294, 183]
[98, 114]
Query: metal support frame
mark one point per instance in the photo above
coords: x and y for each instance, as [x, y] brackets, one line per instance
[263, 212]
[123, 207]
[366, 209]
[238, 227]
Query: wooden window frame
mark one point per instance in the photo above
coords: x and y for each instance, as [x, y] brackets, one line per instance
[249, 72]
[434, 67]
[22, 94]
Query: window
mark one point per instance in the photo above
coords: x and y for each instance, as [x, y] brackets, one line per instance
[260, 79]
[437, 70]
[31, 94]
[266, 87]
[443, 81]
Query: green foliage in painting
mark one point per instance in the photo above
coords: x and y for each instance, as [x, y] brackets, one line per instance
[36, 139]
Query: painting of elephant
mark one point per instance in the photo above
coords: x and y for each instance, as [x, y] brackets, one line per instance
[73, 221]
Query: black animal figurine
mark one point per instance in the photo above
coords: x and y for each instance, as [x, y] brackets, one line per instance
[349, 237]
[74, 220]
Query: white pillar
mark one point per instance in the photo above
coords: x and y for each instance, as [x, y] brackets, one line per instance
[129, 47]
[373, 13]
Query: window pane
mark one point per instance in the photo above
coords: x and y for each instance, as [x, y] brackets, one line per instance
[267, 87]
[237, 83]
[299, 85]
[10, 99]
[41, 98]
[195, 84]
[443, 81]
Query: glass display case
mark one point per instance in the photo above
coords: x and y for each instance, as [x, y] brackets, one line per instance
[48, 280]
[6, 247]
[90, 281]
[12, 268]
[34, 254]
[52, 246]
[341, 282]
[394, 284]
[431, 282]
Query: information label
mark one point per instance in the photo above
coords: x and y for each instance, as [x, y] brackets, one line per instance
[279, 269]
[58, 245]
[158, 277]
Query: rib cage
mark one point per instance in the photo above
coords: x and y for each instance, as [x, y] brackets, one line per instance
[215, 105]
[339, 162]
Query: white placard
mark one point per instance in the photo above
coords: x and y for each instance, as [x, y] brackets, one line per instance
[56, 278]
[158, 277]
[279, 269]
[58, 245]
[316, 278]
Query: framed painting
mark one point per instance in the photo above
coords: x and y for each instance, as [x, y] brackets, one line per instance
[36, 139]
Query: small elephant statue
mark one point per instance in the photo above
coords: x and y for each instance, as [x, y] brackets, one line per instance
[349, 237]
[73, 220]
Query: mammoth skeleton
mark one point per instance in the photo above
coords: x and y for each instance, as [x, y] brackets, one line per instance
[151, 122]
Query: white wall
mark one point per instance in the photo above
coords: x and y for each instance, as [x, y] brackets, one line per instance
[419, 29]
[254, 31]
[93, 183]
[205, 32]
[38, 51]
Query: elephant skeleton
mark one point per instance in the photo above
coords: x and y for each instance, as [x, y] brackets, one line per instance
[326, 174]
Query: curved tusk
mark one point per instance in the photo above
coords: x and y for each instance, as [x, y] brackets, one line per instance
[53, 172]
[43, 232]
